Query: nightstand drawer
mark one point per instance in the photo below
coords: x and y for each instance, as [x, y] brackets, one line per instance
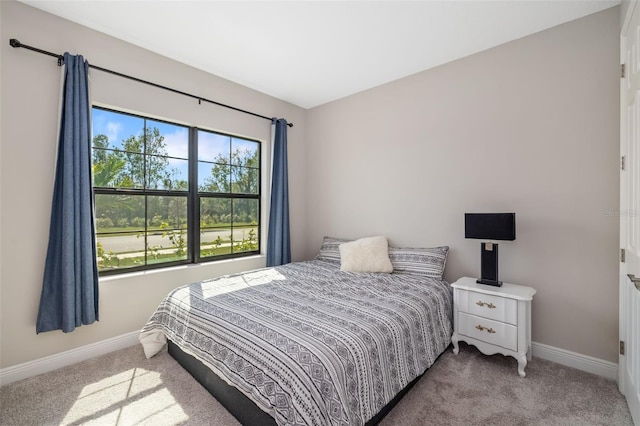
[489, 306]
[485, 330]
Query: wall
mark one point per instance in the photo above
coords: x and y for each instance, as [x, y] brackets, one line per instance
[30, 85]
[531, 126]
[624, 6]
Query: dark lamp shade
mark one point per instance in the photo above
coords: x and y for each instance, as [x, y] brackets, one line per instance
[490, 226]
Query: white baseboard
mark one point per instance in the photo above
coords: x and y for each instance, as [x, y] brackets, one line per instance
[575, 360]
[62, 359]
[53, 362]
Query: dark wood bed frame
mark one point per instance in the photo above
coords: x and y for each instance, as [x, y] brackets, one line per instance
[240, 406]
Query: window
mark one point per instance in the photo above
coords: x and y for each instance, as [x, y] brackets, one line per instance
[228, 193]
[168, 194]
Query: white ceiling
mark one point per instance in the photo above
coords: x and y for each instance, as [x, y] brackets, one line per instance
[312, 52]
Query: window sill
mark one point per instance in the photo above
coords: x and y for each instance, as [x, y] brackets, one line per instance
[187, 268]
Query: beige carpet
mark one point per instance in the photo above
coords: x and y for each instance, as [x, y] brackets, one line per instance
[124, 388]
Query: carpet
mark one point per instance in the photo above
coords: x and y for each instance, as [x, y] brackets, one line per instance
[124, 388]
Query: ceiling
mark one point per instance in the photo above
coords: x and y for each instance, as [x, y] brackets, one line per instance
[312, 52]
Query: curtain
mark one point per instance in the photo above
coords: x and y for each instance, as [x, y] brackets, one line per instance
[278, 240]
[69, 295]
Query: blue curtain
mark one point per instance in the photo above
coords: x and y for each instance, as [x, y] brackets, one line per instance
[278, 241]
[70, 287]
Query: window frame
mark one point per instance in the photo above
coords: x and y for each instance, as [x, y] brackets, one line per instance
[193, 197]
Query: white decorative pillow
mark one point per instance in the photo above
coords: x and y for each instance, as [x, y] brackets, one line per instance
[366, 255]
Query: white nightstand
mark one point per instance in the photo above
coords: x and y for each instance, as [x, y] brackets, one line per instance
[493, 319]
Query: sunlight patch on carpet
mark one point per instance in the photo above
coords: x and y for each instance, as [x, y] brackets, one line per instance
[136, 396]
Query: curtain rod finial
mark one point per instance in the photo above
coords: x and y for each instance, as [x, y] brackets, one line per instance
[15, 42]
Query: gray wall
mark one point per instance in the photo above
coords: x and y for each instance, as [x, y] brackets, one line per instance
[30, 85]
[624, 5]
[531, 126]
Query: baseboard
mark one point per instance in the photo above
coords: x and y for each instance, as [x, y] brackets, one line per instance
[62, 359]
[53, 362]
[575, 360]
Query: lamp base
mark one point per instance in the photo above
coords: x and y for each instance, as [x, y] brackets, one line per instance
[489, 282]
[489, 265]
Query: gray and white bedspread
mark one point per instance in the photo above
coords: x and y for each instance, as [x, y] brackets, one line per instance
[309, 344]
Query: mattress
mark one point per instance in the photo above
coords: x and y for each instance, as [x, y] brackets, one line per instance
[306, 342]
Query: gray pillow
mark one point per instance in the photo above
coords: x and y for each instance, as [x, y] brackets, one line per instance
[429, 261]
[419, 261]
[330, 249]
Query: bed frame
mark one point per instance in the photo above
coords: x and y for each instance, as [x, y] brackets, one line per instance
[240, 406]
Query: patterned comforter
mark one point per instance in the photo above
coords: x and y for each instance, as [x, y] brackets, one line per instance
[307, 343]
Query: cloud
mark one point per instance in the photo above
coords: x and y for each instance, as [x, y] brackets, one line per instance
[177, 143]
[113, 130]
[210, 145]
[179, 169]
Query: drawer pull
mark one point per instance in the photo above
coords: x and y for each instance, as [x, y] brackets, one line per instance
[487, 329]
[488, 305]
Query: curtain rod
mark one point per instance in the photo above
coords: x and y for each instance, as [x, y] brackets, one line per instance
[16, 43]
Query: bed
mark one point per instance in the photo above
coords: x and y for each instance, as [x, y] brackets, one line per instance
[308, 343]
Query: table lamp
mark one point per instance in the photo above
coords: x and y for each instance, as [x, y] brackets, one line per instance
[490, 227]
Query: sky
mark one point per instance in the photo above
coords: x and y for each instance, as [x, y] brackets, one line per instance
[118, 127]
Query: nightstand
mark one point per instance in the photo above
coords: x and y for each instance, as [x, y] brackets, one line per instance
[493, 319]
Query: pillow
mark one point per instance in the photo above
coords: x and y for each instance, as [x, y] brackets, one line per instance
[329, 251]
[419, 261]
[365, 255]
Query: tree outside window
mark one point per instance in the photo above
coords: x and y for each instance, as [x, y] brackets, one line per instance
[141, 175]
